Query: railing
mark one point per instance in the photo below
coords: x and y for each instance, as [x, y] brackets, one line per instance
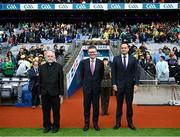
[75, 51]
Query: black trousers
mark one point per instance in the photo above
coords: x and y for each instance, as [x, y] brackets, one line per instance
[48, 103]
[128, 94]
[105, 95]
[35, 96]
[91, 96]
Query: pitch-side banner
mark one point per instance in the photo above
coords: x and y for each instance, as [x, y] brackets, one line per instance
[92, 6]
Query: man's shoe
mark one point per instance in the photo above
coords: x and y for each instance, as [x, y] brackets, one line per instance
[96, 127]
[46, 130]
[117, 126]
[54, 130]
[86, 128]
[131, 126]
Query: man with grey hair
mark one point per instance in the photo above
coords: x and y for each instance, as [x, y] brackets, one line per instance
[51, 88]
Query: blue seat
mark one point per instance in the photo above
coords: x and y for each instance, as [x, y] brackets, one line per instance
[26, 97]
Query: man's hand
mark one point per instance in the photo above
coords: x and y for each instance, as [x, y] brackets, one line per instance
[61, 99]
[114, 87]
[135, 88]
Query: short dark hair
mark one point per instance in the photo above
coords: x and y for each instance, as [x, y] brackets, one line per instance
[92, 47]
[124, 43]
[162, 57]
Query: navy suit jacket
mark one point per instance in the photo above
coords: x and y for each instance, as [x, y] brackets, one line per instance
[125, 77]
[33, 78]
[90, 80]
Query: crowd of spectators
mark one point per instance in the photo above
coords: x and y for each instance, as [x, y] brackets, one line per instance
[162, 65]
[18, 65]
[36, 32]
[90, 1]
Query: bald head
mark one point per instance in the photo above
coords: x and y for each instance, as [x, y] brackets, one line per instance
[50, 56]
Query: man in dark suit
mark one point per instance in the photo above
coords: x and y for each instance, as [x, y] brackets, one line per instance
[92, 73]
[125, 80]
[51, 84]
[33, 75]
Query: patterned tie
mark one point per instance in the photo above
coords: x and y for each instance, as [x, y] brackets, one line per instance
[124, 61]
[92, 66]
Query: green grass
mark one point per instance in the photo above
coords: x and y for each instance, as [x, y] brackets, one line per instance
[91, 132]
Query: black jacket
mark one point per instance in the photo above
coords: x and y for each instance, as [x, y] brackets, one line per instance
[51, 79]
[122, 76]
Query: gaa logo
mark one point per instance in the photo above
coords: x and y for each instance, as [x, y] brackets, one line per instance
[63, 6]
[116, 6]
[98, 6]
[150, 6]
[28, 6]
[46, 6]
[133, 6]
[11, 7]
[80, 6]
[168, 6]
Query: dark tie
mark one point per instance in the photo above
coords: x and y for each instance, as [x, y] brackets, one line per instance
[124, 61]
[92, 66]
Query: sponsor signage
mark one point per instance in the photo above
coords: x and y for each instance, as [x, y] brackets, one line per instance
[11, 7]
[133, 6]
[81, 6]
[99, 47]
[151, 6]
[98, 6]
[91, 6]
[70, 75]
[116, 6]
[169, 6]
[28, 6]
[46, 6]
[63, 6]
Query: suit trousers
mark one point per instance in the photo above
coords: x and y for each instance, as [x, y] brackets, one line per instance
[105, 95]
[128, 94]
[91, 95]
[48, 103]
[35, 96]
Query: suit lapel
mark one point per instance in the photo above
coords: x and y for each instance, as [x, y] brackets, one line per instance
[88, 65]
[96, 63]
[121, 63]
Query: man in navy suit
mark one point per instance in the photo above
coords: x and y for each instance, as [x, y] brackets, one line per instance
[92, 73]
[51, 88]
[125, 80]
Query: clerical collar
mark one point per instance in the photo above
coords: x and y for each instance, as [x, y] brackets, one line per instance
[50, 64]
